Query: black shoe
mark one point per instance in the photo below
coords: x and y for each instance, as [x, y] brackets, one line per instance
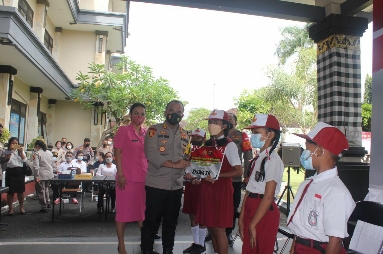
[189, 249]
[230, 240]
[157, 237]
[48, 206]
[198, 249]
[44, 211]
[167, 251]
[150, 252]
[208, 237]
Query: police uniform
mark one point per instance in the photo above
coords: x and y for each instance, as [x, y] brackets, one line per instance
[104, 150]
[323, 211]
[244, 148]
[163, 185]
[87, 152]
[60, 154]
[42, 165]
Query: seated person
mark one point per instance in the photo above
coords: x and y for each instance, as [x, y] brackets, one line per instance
[107, 169]
[99, 160]
[68, 163]
[79, 163]
[105, 147]
[54, 163]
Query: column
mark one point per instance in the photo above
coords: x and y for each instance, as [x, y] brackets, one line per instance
[39, 18]
[7, 73]
[32, 119]
[339, 77]
[50, 121]
[12, 3]
[376, 168]
[339, 91]
[56, 44]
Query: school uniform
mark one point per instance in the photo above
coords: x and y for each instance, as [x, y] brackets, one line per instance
[216, 208]
[324, 211]
[15, 178]
[267, 227]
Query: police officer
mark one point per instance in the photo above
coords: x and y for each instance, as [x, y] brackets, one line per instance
[86, 150]
[244, 151]
[164, 148]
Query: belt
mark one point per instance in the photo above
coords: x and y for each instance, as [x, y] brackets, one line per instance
[255, 195]
[311, 243]
[260, 196]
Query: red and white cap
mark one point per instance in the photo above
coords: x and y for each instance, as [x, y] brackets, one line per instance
[328, 137]
[264, 120]
[217, 114]
[198, 132]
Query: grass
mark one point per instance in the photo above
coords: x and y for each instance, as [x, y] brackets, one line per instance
[295, 180]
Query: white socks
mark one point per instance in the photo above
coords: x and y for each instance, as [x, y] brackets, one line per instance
[195, 233]
[202, 235]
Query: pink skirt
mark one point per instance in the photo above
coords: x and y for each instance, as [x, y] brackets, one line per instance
[130, 202]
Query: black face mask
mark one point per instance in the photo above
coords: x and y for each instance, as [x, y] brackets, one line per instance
[86, 145]
[174, 118]
[196, 143]
[104, 145]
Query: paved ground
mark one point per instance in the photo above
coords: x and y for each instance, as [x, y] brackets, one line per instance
[85, 232]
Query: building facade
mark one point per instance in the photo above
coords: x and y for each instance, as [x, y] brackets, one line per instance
[43, 45]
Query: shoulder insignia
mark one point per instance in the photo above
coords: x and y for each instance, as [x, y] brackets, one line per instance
[162, 149]
[164, 126]
[163, 132]
[164, 141]
[152, 131]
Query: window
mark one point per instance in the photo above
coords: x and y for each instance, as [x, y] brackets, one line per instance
[17, 122]
[48, 41]
[26, 11]
[42, 125]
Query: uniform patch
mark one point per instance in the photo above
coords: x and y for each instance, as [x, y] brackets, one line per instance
[163, 141]
[312, 218]
[235, 138]
[152, 132]
[162, 149]
[164, 126]
[318, 196]
[163, 132]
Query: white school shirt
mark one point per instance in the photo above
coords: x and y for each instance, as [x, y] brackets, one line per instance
[231, 153]
[15, 160]
[325, 208]
[65, 165]
[273, 172]
[81, 165]
[103, 170]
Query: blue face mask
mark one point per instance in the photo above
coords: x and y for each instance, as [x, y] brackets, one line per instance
[256, 141]
[307, 160]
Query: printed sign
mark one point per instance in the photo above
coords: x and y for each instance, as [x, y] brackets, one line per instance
[206, 160]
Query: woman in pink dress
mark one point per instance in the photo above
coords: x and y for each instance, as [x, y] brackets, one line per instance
[132, 166]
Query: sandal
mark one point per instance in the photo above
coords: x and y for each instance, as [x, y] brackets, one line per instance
[22, 211]
[10, 214]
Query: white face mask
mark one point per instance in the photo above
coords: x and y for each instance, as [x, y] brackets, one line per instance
[69, 147]
[54, 158]
[80, 158]
[109, 142]
[214, 129]
[109, 160]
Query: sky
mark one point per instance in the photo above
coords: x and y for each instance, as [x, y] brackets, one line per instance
[210, 57]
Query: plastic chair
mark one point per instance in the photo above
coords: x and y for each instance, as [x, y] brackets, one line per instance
[367, 211]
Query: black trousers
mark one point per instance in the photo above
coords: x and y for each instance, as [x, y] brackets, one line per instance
[56, 194]
[112, 195]
[162, 205]
[237, 186]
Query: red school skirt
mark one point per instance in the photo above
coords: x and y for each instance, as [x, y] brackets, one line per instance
[191, 198]
[215, 207]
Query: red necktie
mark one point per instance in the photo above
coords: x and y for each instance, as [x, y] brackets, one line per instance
[299, 202]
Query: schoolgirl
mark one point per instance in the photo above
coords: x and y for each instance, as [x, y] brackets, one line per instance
[259, 217]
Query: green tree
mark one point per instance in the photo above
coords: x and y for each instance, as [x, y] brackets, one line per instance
[197, 119]
[366, 117]
[114, 92]
[294, 38]
[250, 103]
[368, 89]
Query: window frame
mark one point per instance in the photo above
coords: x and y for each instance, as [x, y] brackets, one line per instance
[18, 109]
[26, 11]
[48, 41]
